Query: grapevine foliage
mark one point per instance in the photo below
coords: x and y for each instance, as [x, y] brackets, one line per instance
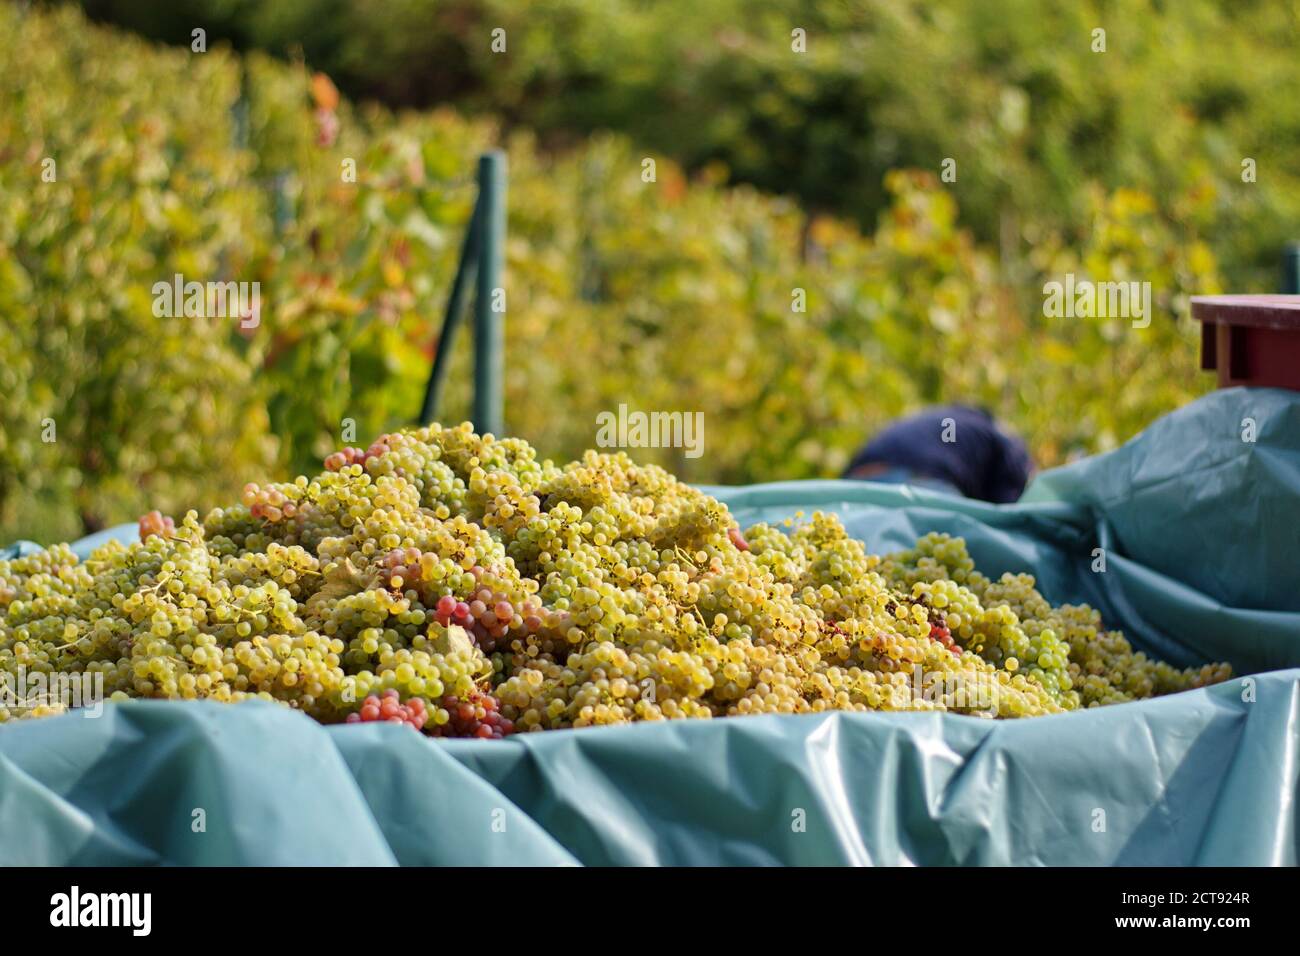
[676, 294]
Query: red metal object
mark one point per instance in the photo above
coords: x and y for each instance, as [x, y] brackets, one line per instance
[1250, 339]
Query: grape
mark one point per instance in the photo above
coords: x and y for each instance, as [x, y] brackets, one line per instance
[390, 708]
[476, 715]
[156, 523]
[451, 568]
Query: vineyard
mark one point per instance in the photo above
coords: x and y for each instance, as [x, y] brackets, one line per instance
[674, 294]
[1035, 101]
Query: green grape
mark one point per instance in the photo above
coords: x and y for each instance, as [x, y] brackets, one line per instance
[446, 567]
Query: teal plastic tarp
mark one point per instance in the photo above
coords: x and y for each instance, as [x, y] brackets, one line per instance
[1201, 532]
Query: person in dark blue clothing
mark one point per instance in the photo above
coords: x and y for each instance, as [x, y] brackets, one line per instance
[953, 448]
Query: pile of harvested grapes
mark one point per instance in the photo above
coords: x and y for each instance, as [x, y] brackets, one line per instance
[453, 582]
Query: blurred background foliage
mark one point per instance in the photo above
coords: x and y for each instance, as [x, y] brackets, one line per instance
[775, 171]
[1010, 88]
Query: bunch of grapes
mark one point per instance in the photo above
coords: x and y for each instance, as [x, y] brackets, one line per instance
[451, 582]
[269, 504]
[389, 707]
[940, 633]
[155, 522]
[477, 715]
[356, 456]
